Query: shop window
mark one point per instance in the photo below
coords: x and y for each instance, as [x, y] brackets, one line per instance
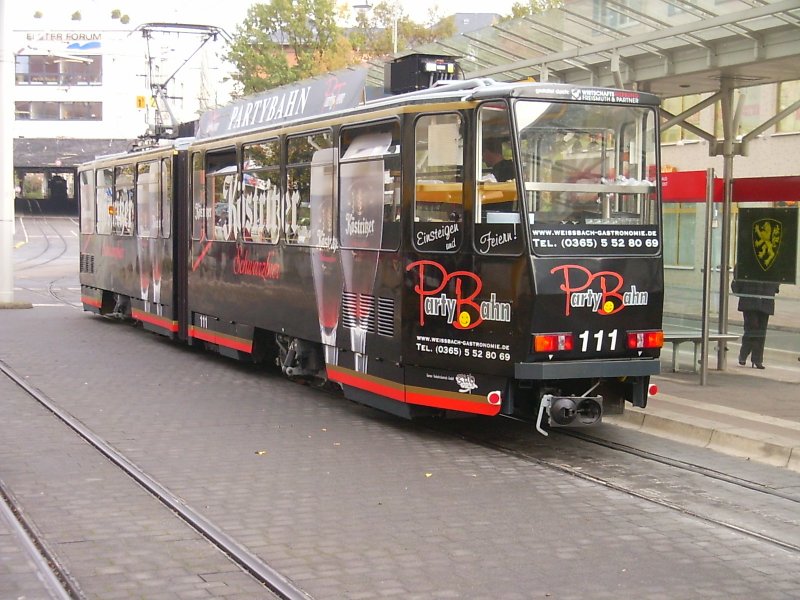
[788, 94]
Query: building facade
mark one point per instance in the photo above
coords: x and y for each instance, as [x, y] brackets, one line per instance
[83, 87]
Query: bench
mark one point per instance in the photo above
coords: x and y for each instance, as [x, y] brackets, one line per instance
[696, 338]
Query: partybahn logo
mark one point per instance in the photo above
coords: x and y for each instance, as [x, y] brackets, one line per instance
[460, 307]
[767, 235]
[601, 292]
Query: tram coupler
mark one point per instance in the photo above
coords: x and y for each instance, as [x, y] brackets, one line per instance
[569, 411]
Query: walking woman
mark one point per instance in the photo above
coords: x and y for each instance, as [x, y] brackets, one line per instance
[756, 303]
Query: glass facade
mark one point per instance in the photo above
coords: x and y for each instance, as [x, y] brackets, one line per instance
[58, 70]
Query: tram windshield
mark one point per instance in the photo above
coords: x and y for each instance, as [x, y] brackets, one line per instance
[588, 164]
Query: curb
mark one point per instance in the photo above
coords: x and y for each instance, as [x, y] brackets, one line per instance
[734, 440]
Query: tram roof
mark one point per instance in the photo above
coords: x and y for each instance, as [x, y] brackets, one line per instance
[251, 115]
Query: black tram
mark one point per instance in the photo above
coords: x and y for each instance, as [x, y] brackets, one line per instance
[476, 247]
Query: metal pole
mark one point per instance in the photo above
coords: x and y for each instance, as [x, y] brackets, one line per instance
[729, 126]
[6, 159]
[704, 316]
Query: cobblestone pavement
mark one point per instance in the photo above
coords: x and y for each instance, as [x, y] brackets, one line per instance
[18, 574]
[110, 536]
[345, 501]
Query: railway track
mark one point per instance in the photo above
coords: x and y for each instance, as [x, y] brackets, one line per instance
[48, 564]
[57, 582]
[669, 485]
[48, 248]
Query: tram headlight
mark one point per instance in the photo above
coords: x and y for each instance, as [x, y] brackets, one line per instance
[640, 340]
[552, 342]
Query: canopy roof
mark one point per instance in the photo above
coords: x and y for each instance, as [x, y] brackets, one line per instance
[667, 47]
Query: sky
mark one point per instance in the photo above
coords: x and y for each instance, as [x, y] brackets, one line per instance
[226, 14]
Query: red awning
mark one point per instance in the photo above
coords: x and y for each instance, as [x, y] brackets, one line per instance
[690, 186]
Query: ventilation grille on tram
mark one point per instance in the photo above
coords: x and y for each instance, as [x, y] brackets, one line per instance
[386, 316]
[87, 263]
[358, 311]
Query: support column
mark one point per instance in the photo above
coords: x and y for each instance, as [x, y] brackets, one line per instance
[6, 158]
[730, 123]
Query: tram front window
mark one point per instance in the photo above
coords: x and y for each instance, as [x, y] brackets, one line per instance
[588, 164]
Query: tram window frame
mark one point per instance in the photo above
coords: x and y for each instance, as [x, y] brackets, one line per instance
[124, 200]
[104, 195]
[300, 151]
[221, 192]
[497, 223]
[370, 158]
[86, 183]
[167, 198]
[148, 199]
[434, 228]
[198, 205]
[261, 161]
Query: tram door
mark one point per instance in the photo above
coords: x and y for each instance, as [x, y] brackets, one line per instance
[438, 250]
[500, 262]
[369, 240]
[467, 267]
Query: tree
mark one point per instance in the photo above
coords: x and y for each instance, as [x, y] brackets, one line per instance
[372, 35]
[532, 7]
[286, 41]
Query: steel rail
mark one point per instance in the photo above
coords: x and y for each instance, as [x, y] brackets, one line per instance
[249, 562]
[580, 474]
[53, 576]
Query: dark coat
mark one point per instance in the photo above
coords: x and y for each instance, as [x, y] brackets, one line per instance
[503, 170]
[758, 296]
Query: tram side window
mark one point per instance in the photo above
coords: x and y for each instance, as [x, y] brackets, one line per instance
[87, 201]
[497, 211]
[322, 191]
[147, 199]
[261, 192]
[439, 182]
[297, 209]
[369, 215]
[166, 197]
[123, 204]
[104, 191]
[199, 210]
[222, 194]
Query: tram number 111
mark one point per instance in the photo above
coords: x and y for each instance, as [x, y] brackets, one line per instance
[598, 338]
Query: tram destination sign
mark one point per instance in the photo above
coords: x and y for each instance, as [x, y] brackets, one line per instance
[311, 97]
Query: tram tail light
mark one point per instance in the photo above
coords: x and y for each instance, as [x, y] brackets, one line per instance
[552, 342]
[641, 340]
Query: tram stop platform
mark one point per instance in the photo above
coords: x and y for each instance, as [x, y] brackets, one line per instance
[740, 411]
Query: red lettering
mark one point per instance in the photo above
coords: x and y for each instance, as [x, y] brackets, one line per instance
[265, 269]
[420, 286]
[610, 295]
[464, 300]
[461, 302]
[582, 280]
